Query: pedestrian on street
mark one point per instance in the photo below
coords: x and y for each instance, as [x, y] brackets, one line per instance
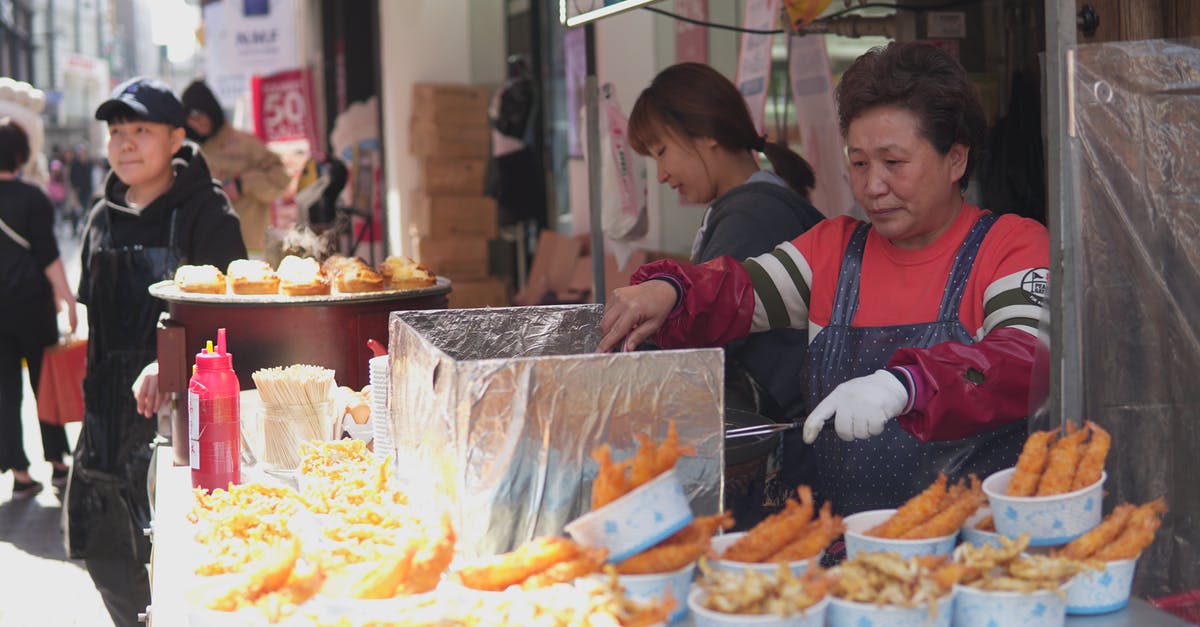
[32, 283]
[161, 209]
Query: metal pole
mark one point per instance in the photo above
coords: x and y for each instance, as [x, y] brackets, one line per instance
[592, 88]
[1066, 378]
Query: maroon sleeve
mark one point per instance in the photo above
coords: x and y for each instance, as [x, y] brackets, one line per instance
[965, 389]
[716, 302]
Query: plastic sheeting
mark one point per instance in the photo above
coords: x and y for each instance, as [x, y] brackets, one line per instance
[496, 411]
[1136, 149]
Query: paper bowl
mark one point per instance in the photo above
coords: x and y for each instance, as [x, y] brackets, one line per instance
[721, 543]
[703, 617]
[653, 588]
[843, 613]
[1044, 608]
[636, 521]
[858, 542]
[971, 535]
[1049, 520]
[1101, 591]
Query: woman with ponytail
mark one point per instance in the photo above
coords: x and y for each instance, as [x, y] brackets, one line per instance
[695, 125]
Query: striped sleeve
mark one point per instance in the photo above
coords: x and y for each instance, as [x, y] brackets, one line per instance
[1016, 300]
[781, 280]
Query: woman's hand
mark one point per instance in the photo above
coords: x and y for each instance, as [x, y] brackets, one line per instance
[635, 313]
[145, 390]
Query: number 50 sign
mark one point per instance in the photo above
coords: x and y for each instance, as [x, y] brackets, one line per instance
[283, 107]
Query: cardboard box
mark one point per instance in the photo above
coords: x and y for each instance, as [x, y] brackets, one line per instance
[452, 175]
[427, 139]
[474, 293]
[460, 105]
[455, 257]
[440, 216]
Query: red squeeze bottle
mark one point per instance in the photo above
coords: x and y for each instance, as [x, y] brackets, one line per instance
[214, 436]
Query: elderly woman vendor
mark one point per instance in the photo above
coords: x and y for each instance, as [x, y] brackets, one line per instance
[922, 322]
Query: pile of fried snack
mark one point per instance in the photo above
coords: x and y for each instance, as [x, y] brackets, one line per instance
[933, 513]
[1050, 466]
[304, 276]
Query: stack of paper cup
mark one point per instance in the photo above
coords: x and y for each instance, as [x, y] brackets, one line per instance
[380, 419]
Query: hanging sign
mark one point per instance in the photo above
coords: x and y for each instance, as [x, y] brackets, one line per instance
[754, 60]
[691, 40]
[816, 114]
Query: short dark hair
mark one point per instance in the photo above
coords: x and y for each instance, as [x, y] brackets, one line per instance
[694, 100]
[14, 146]
[925, 80]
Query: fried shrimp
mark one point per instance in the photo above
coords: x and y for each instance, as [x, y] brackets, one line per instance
[814, 538]
[506, 569]
[1091, 462]
[670, 451]
[1060, 467]
[1137, 534]
[644, 465]
[702, 528]
[914, 511]
[987, 523]
[430, 561]
[1089, 543]
[953, 515]
[611, 482]
[663, 558]
[587, 562]
[774, 532]
[1030, 464]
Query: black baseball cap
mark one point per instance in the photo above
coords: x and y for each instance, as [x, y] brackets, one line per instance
[146, 98]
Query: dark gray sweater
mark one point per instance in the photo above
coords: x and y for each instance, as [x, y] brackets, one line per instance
[749, 220]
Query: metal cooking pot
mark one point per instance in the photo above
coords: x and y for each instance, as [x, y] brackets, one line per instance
[751, 468]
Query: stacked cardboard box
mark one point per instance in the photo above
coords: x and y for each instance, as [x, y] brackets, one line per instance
[451, 221]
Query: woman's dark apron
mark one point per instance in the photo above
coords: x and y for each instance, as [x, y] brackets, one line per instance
[885, 470]
[108, 504]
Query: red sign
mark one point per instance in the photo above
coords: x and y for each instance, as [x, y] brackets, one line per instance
[284, 108]
[691, 40]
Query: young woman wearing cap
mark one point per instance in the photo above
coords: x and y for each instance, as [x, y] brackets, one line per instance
[922, 323]
[695, 125]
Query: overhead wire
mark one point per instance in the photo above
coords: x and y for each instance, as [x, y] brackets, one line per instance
[824, 18]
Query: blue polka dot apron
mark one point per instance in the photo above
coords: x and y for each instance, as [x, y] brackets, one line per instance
[885, 470]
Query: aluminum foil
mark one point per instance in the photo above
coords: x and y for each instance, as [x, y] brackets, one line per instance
[495, 413]
[1137, 144]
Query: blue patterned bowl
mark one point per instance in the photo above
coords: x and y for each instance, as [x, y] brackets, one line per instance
[971, 535]
[844, 613]
[704, 617]
[1044, 608]
[636, 521]
[654, 588]
[1101, 591]
[858, 542]
[1049, 520]
[721, 543]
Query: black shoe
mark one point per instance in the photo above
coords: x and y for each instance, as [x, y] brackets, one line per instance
[25, 489]
[59, 478]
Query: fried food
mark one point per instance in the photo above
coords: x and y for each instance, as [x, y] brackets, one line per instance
[1102, 535]
[1031, 464]
[987, 523]
[611, 482]
[888, 579]
[1060, 467]
[385, 577]
[1007, 569]
[774, 532]
[588, 561]
[616, 479]
[752, 592]
[1091, 462]
[953, 514]
[813, 538]
[701, 528]
[507, 569]
[1137, 534]
[913, 512]
[430, 561]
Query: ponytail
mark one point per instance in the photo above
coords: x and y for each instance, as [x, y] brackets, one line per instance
[791, 167]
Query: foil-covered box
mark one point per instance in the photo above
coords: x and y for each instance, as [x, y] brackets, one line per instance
[495, 413]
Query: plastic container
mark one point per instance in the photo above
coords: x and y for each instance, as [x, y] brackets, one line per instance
[655, 587]
[1049, 520]
[971, 535]
[636, 521]
[1101, 591]
[858, 542]
[813, 616]
[381, 428]
[286, 427]
[214, 430]
[1044, 608]
[721, 543]
[843, 613]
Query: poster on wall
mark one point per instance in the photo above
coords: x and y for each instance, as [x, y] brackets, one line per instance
[244, 38]
[816, 115]
[754, 59]
[284, 116]
[691, 40]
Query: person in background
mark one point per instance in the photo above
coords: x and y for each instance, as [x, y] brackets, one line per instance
[161, 209]
[252, 176]
[32, 285]
[81, 173]
[695, 125]
[923, 322]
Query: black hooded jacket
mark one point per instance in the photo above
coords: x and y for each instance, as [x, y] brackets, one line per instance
[198, 97]
[206, 228]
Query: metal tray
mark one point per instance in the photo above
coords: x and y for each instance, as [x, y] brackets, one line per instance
[168, 291]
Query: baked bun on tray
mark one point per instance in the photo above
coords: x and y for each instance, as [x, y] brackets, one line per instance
[252, 276]
[356, 277]
[302, 277]
[200, 279]
[402, 273]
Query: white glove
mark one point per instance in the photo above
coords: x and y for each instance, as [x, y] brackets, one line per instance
[862, 407]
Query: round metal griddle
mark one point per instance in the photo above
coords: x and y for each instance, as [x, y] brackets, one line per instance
[168, 291]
